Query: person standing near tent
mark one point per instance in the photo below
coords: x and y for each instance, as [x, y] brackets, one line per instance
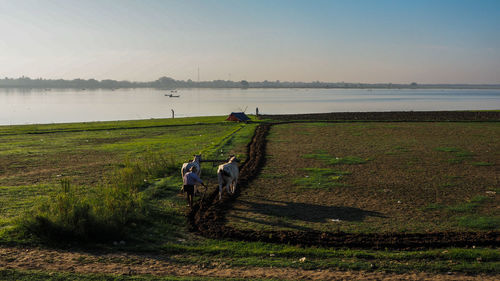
[190, 179]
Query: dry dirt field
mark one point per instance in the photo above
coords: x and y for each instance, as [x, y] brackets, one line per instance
[375, 177]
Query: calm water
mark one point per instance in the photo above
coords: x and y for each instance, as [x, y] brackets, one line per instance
[58, 106]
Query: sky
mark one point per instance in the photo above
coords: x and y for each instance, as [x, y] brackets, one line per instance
[368, 41]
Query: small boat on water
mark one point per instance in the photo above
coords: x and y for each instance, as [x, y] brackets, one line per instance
[172, 96]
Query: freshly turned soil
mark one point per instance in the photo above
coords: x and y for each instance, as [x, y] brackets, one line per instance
[396, 116]
[208, 216]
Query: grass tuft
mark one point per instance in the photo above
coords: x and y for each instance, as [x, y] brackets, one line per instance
[318, 156]
[460, 154]
[482, 164]
[448, 149]
[348, 160]
[479, 222]
[433, 207]
[318, 178]
[470, 205]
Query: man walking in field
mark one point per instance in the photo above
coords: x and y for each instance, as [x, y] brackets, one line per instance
[191, 179]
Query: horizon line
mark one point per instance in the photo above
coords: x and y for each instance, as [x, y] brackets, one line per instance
[256, 81]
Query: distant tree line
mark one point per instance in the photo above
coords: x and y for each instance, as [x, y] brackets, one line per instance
[170, 83]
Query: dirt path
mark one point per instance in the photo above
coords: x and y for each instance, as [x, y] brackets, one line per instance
[159, 265]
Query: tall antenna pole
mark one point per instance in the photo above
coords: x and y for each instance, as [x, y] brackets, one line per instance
[198, 74]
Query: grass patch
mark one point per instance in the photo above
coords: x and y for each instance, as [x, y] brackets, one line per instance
[318, 156]
[15, 199]
[464, 154]
[87, 155]
[434, 206]
[447, 185]
[482, 164]
[99, 213]
[266, 255]
[460, 155]
[107, 125]
[320, 178]
[479, 222]
[472, 220]
[224, 145]
[469, 206]
[123, 199]
[96, 214]
[348, 160]
[448, 149]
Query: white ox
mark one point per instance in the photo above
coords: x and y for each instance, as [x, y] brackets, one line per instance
[193, 163]
[227, 174]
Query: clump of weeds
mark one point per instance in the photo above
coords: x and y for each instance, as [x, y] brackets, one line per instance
[479, 222]
[98, 213]
[347, 160]
[317, 178]
[459, 154]
[470, 205]
[482, 164]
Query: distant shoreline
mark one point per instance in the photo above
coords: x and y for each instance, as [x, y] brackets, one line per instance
[429, 87]
[168, 83]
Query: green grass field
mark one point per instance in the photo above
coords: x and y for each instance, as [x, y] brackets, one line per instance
[29, 156]
[87, 155]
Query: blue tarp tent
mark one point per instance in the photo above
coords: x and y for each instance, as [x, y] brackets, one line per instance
[238, 116]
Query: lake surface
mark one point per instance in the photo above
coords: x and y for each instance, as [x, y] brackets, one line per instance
[39, 106]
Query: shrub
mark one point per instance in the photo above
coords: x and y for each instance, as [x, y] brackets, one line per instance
[99, 213]
[135, 175]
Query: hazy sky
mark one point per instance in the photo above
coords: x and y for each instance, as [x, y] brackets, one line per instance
[354, 41]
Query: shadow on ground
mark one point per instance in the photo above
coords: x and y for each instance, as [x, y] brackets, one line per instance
[287, 214]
